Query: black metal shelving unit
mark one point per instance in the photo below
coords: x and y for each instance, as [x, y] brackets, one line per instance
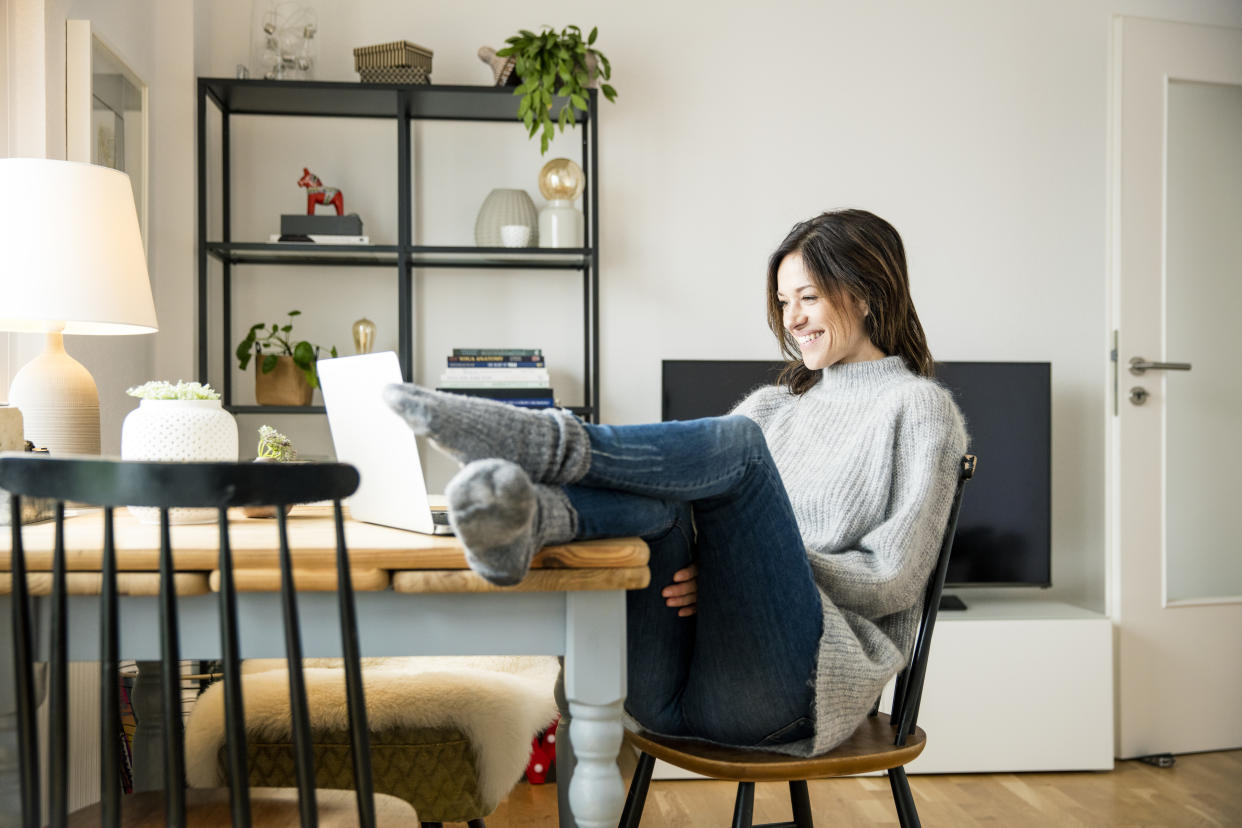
[405, 103]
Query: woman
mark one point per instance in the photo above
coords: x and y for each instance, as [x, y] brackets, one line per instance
[813, 513]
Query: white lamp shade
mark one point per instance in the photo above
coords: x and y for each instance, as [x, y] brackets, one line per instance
[70, 250]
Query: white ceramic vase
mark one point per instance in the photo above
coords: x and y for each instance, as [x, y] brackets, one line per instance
[186, 430]
[560, 224]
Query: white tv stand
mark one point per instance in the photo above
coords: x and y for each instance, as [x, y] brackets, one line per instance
[1013, 684]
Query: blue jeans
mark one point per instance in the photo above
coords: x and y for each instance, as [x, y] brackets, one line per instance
[741, 671]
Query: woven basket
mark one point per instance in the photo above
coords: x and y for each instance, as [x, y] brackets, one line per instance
[395, 74]
[397, 53]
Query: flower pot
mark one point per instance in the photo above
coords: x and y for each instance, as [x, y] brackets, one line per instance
[283, 385]
[179, 430]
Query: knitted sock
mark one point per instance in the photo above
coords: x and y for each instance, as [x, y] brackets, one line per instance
[502, 518]
[549, 444]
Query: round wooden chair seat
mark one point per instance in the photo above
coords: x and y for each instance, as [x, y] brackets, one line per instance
[869, 748]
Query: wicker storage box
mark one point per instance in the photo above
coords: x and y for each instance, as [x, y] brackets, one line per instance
[394, 74]
[398, 53]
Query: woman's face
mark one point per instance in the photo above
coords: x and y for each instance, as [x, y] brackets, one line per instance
[826, 334]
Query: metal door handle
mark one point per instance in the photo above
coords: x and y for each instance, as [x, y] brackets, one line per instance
[1139, 366]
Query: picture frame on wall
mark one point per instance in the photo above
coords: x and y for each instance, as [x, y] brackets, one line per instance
[105, 110]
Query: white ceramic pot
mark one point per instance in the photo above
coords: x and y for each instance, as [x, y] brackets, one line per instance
[187, 430]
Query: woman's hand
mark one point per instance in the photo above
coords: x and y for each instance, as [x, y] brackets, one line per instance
[684, 591]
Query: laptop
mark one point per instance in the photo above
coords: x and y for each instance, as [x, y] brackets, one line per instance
[373, 438]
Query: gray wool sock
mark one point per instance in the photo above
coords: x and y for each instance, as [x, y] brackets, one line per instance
[502, 519]
[549, 444]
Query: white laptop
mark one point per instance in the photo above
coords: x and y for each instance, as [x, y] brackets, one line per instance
[376, 440]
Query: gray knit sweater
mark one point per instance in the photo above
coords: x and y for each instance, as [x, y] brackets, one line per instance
[869, 456]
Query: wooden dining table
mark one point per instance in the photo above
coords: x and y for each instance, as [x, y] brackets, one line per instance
[415, 596]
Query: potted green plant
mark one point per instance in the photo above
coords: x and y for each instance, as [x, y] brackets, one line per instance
[285, 373]
[556, 64]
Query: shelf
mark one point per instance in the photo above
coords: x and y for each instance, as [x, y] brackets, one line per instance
[369, 100]
[387, 255]
[275, 409]
[372, 255]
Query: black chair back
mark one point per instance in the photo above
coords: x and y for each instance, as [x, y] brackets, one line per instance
[110, 484]
[908, 692]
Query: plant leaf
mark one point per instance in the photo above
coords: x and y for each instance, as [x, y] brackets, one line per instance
[579, 102]
[303, 354]
[594, 34]
[269, 363]
[294, 313]
[609, 92]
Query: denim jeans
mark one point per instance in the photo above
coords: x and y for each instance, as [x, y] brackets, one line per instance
[740, 671]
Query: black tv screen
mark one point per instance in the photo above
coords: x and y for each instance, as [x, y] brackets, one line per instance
[1004, 530]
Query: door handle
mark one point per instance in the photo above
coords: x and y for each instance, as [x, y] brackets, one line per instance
[1139, 366]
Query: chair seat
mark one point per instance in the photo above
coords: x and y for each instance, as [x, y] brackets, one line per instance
[209, 808]
[869, 748]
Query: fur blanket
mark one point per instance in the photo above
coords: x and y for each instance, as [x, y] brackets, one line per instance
[499, 702]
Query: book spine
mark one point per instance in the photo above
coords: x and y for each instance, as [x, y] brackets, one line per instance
[500, 393]
[504, 352]
[510, 374]
[475, 360]
[511, 364]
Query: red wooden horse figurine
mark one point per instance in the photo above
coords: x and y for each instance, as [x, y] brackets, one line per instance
[316, 193]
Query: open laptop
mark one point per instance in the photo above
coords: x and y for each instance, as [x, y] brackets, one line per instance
[373, 438]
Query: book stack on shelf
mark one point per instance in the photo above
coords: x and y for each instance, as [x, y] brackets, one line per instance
[517, 376]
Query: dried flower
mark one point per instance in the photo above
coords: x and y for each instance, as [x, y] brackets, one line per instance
[161, 390]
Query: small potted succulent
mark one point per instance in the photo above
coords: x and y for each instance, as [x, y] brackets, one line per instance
[556, 64]
[284, 368]
[274, 447]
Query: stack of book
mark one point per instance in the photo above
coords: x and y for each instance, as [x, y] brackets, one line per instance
[517, 376]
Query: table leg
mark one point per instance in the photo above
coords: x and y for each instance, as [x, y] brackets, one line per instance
[595, 689]
[149, 730]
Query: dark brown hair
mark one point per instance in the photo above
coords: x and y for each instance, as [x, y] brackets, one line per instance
[852, 253]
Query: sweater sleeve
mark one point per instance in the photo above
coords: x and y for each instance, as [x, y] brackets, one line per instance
[886, 570]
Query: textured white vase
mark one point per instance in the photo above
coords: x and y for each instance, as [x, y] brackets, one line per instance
[186, 430]
[504, 208]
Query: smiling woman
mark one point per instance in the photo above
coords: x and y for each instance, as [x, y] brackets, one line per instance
[801, 530]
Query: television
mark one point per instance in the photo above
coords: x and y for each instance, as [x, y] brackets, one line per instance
[1004, 529]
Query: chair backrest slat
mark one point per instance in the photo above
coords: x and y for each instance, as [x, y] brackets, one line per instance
[23, 675]
[58, 684]
[909, 689]
[230, 651]
[359, 732]
[109, 679]
[170, 662]
[303, 760]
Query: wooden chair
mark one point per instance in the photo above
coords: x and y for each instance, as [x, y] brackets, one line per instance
[881, 742]
[112, 484]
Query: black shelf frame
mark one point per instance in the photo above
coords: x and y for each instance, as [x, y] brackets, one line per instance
[406, 103]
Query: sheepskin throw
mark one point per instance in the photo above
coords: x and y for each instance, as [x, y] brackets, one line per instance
[499, 702]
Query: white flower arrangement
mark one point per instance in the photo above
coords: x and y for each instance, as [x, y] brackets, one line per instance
[161, 390]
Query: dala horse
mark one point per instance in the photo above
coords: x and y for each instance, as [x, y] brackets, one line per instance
[316, 193]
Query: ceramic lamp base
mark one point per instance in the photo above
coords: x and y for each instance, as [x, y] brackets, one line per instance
[58, 400]
[560, 224]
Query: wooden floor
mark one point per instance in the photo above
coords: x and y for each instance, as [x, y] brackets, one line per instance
[1199, 790]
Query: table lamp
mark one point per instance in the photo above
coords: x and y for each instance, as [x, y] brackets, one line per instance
[71, 262]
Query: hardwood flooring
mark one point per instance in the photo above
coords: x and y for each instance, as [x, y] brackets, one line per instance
[1199, 790]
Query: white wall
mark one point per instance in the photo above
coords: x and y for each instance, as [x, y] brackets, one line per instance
[979, 128]
[156, 40]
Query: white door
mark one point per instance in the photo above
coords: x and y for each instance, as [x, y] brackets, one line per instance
[1175, 470]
